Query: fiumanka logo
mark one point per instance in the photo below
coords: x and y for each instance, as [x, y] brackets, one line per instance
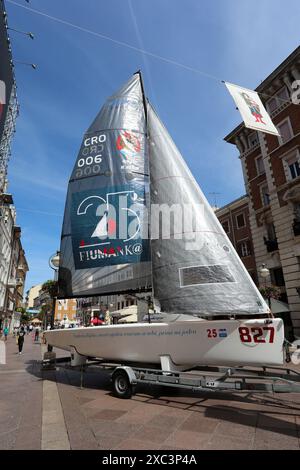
[106, 228]
[2, 97]
[128, 144]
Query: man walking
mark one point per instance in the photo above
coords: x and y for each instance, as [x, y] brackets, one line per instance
[21, 337]
[36, 334]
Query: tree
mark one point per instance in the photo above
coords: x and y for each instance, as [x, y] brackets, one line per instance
[270, 292]
[21, 309]
[45, 313]
[51, 288]
[25, 318]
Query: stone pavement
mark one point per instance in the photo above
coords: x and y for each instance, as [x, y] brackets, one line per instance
[50, 410]
[21, 394]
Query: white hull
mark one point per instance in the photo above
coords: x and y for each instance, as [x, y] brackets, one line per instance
[193, 342]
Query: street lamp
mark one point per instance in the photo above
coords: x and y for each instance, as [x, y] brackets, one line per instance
[264, 272]
[54, 264]
[34, 66]
[26, 33]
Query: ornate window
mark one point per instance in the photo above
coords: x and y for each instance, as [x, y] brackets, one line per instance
[240, 220]
[285, 130]
[278, 99]
[260, 166]
[265, 196]
[292, 166]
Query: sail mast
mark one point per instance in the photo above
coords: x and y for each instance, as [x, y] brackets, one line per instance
[145, 103]
[144, 99]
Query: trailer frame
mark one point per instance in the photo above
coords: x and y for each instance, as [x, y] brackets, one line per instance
[126, 377]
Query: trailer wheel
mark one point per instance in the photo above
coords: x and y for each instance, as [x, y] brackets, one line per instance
[121, 384]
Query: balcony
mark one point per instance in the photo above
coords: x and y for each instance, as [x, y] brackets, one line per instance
[15, 282]
[296, 227]
[272, 245]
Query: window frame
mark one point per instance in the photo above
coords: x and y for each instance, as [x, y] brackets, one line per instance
[244, 244]
[257, 167]
[251, 145]
[236, 220]
[223, 222]
[296, 169]
[278, 100]
[264, 185]
[288, 121]
[291, 157]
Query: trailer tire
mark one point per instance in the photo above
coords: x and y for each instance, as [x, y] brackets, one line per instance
[121, 384]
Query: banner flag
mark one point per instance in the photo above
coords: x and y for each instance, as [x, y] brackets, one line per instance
[252, 110]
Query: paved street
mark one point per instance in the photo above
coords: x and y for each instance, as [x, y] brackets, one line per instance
[49, 410]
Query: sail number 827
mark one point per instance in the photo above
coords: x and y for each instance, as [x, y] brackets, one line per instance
[256, 334]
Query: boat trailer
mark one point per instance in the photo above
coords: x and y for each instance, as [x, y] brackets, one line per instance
[126, 377]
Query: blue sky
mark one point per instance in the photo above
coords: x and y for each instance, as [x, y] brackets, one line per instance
[241, 42]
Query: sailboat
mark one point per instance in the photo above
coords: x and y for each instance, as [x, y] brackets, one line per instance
[136, 221]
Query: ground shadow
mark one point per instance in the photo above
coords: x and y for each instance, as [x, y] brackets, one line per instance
[261, 405]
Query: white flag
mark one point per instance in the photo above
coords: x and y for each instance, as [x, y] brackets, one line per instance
[2, 97]
[252, 110]
[2, 92]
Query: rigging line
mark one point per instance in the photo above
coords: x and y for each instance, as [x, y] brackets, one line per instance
[137, 49]
[38, 212]
[115, 41]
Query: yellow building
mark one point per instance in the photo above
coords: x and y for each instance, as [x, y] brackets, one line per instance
[65, 310]
[32, 293]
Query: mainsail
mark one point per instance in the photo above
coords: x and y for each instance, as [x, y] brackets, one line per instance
[195, 268]
[103, 249]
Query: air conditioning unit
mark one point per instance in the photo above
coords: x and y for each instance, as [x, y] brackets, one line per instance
[12, 283]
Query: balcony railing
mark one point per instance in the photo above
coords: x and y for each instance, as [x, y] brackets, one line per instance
[272, 245]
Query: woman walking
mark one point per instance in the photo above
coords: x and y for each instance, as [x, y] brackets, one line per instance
[21, 339]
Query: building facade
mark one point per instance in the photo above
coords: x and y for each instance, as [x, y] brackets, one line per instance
[7, 221]
[31, 294]
[271, 169]
[234, 218]
[65, 311]
[13, 264]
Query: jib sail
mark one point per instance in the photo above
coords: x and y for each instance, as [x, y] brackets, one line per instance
[196, 270]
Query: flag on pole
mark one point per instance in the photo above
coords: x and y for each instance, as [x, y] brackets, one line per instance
[2, 97]
[252, 110]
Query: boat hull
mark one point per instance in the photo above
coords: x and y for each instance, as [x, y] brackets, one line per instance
[187, 343]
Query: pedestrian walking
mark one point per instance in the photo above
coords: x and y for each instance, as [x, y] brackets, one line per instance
[107, 318]
[21, 337]
[37, 334]
[5, 332]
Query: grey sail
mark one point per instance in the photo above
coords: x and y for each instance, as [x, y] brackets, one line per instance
[103, 249]
[195, 268]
